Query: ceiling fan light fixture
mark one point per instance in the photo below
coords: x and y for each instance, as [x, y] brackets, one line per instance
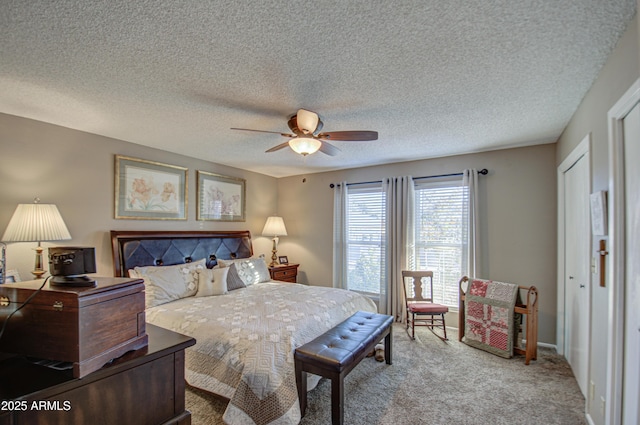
[305, 145]
[307, 121]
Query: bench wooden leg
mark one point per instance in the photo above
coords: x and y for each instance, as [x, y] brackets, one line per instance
[387, 348]
[301, 383]
[337, 400]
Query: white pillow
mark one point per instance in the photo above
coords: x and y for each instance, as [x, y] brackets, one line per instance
[212, 282]
[163, 284]
[248, 272]
[227, 263]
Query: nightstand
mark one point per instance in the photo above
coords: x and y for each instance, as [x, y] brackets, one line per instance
[285, 272]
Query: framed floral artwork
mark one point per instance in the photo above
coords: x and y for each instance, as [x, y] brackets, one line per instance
[220, 198]
[148, 190]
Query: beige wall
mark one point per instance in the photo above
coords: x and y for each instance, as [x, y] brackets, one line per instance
[518, 218]
[75, 171]
[618, 74]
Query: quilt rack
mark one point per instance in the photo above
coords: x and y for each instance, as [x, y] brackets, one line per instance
[529, 311]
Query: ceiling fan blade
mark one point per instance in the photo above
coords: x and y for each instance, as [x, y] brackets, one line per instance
[328, 149]
[361, 136]
[307, 121]
[278, 147]
[264, 131]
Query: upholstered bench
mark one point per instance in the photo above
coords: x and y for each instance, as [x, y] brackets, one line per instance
[336, 352]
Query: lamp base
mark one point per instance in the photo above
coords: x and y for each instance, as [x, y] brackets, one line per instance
[38, 271]
[74, 281]
[274, 251]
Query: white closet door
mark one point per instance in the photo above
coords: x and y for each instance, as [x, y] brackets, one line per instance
[577, 279]
[631, 364]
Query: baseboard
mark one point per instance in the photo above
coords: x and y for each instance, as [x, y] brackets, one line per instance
[524, 341]
[589, 419]
[546, 345]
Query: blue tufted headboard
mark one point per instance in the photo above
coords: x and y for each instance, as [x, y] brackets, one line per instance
[165, 248]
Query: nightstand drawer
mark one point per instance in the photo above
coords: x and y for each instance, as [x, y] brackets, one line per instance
[286, 273]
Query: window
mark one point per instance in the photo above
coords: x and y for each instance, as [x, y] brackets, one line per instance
[366, 240]
[440, 236]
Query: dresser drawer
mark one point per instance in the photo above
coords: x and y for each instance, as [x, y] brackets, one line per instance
[288, 273]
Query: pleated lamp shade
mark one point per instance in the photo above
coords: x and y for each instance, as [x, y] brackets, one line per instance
[274, 227]
[36, 223]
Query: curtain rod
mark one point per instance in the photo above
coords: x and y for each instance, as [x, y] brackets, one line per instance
[484, 172]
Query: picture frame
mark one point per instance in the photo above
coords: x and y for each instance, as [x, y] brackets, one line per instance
[12, 276]
[149, 190]
[283, 259]
[220, 198]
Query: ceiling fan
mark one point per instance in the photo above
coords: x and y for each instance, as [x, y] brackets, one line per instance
[307, 138]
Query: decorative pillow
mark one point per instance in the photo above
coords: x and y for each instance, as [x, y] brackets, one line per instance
[212, 282]
[163, 284]
[233, 279]
[227, 263]
[249, 272]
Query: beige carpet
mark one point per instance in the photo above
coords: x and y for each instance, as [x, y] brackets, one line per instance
[433, 382]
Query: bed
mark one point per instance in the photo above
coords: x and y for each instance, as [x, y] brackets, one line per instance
[246, 337]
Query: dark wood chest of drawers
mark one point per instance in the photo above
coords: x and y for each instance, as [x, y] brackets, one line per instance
[86, 327]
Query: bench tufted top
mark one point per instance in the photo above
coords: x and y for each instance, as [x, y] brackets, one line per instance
[339, 347]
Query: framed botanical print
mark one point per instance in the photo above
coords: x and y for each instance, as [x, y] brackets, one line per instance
[220, 198]
[149, 190]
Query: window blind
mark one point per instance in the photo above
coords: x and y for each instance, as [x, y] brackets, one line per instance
[440, 236]
[366, 240]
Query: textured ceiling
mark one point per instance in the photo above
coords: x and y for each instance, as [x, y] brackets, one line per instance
[434, 78]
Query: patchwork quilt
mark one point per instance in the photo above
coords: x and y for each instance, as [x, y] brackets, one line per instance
[246, 340]
[489, 316]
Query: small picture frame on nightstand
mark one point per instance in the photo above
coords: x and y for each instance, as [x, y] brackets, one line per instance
[283, 259]
[11, 276]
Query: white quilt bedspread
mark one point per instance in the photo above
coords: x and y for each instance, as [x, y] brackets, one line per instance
[246, 339]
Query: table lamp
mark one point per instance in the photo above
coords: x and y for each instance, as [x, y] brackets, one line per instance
[274, 227]
[36, 223]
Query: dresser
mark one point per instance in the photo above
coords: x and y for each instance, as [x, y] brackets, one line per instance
[285, 272]
[85, 326]
[143, 387]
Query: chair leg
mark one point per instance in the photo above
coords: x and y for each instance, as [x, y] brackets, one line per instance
[444, 328]
[412, 335]
[413, 327]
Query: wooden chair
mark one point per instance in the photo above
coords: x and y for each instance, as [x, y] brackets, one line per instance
[421, 310]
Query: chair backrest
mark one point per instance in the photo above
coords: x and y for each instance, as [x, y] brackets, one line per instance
[412, 285]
